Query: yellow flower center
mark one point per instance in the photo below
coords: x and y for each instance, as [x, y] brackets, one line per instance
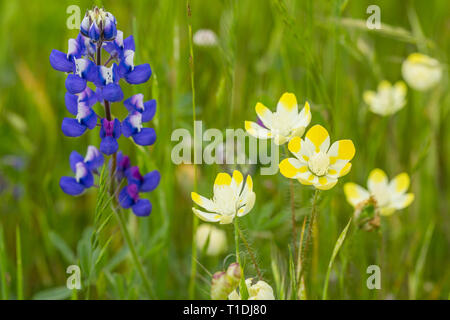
[319, 163]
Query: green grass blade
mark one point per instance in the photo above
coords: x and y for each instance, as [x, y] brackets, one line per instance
[19, 265]
[4, 290]
[337, 246]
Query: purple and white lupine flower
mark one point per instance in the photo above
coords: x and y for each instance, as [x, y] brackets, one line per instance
[85, 119]
[108, 83]
[145, 183]
[129, 196]
[99, 24]
[109, 133]
[124, 53]
[116, 47]
[84, 169]
[80, 69]
[136, 103]
[132, 127]
[87, 97]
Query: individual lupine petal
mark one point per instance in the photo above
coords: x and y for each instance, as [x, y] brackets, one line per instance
[339, 169]
[377, 180]
[399, 184]
[128, 43]
[292, 168]
[302, 121]
[112, 92]
[59, 61]
[151, 181]
[94, 159]
[72, 128]
[318, 138]
[223, 179]
[70, 186]
[88, 97]
[71, 101]
[74, 158]
[257, 131]
[146, 137]
[142, 208]
[75, 84]
[127, 197]
[206, 216]
[140, 74]
[203, 202]
[83, 175]
[109, 145]
[149, 110]
[94, 32]
[126, 64]
[264, 114]
[74, 50]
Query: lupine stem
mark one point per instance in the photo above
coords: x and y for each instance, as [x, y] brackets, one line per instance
[194, 217]
[137, 262]
[120, 217]
[242, 286]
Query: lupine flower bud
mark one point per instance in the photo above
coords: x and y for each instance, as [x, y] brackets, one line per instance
[367, 215]
[99, 24]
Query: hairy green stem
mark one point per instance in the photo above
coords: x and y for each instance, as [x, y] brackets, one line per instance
[242, 286]
[250, 251]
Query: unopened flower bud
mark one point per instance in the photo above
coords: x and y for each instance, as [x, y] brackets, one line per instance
[224, 282]
[99, 24]
[367, 215]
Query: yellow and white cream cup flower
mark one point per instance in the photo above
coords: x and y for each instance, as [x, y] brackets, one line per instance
[421, 72]
[261, 290]
[390, 196]
[315, 162]
[388, 99]
[232, 197]
[283, 124]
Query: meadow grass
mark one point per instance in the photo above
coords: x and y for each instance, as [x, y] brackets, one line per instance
[320, 50]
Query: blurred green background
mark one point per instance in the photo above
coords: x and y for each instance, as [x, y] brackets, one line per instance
[310, 48]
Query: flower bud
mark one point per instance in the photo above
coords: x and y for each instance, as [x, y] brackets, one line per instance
[212, 237]
[219, 286]
[99, 25]
[224, 282]
[367, 215]
[260, 290]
